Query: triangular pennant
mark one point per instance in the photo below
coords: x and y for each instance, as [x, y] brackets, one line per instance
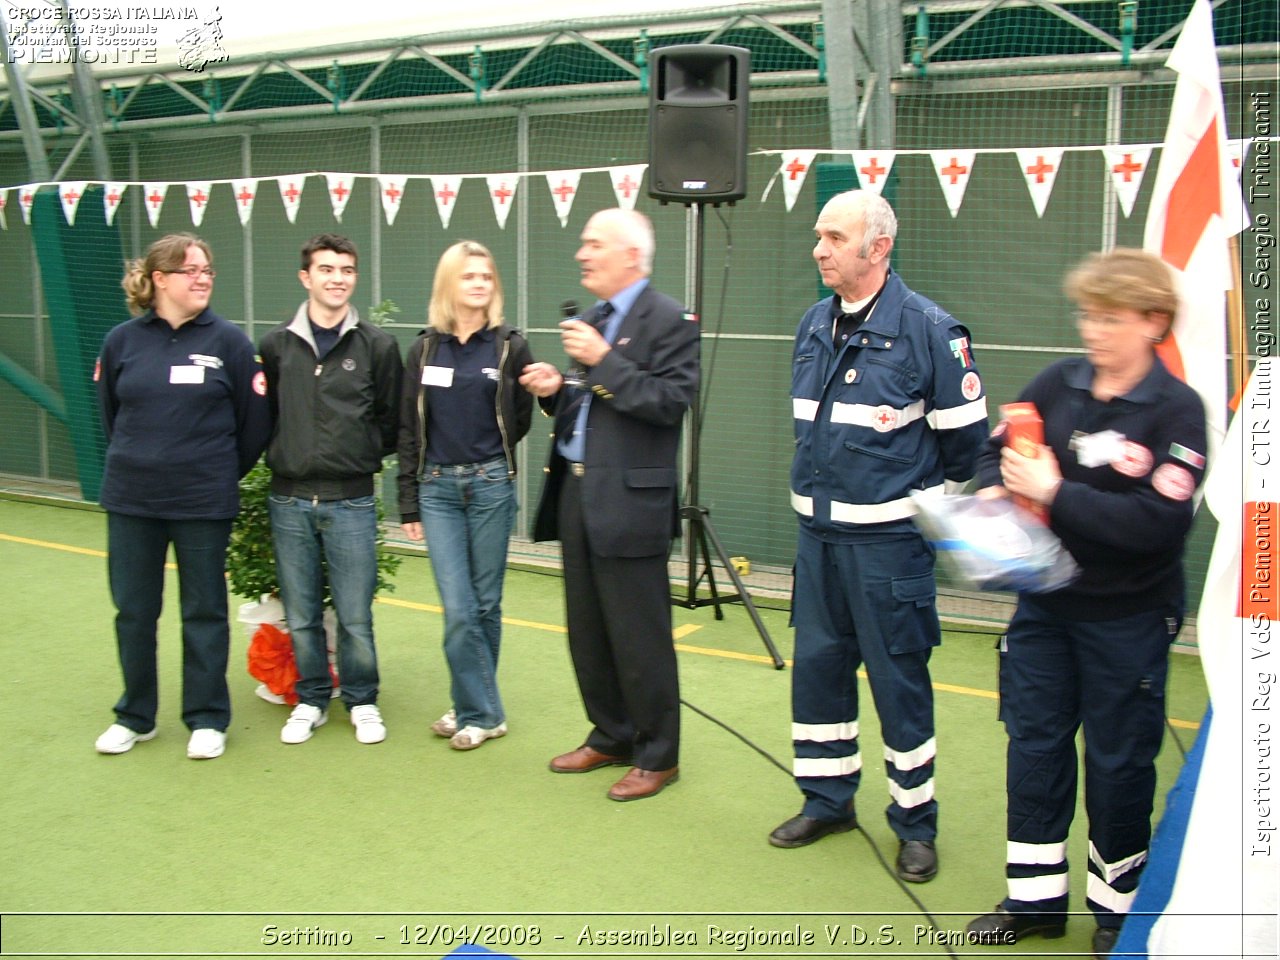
[291, 194]
[445, 189]
[26, 198]
[954, 168]
[70, 193]
[1238, 152]
[198, 198]
[392, 196]
[873, 168]
[1040, 166]
[244, 192]
[794, 170]
[564, 187]
[340, 186]
[626, 182]
[112, 194]
[1127, 165]
[153, 196]
[502, 191]
[4, 200]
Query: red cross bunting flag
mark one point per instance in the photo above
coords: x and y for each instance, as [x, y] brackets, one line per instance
[392, 190]
[70, 192]
[244, 192]
[291, 194]
[954, 168]
[502, 192]
[1126, 165]
[339, 186]
[626, 183]
[112, 194]
[198, 199]
[26, 198]
[153, 200]
[564, 187]
[873, 168]
[793, 171]
[1040, 167]
[1238, 151]
[4, 200]
[446, 187]
[1196, 207]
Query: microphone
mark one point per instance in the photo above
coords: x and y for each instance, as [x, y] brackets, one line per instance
[575, 375]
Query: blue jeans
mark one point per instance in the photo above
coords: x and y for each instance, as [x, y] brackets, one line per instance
[334, 540]
[136, 549]
[467, 512]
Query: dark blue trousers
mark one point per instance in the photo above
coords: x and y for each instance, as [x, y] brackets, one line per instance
[136, 551]
[1108, 676]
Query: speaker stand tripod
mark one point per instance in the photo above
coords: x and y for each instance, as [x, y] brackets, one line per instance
[700, 536]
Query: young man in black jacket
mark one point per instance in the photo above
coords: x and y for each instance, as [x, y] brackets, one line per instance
[333, 383]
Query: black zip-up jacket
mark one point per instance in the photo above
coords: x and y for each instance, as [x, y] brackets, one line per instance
[336, 418]
[514, 408]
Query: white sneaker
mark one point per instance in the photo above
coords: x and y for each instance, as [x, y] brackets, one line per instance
[367, 719]
[263, 691]
[206, 744]
[468, 738]
[446, 726]
[120, 739]
[304, 719]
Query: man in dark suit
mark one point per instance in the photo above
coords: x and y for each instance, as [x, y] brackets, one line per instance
[611, 498]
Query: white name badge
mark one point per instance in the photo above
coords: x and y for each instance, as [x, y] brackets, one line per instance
[187, 374]
[437, 376]
[1098, 449]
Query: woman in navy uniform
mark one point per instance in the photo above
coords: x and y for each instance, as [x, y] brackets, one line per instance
[1124, 452]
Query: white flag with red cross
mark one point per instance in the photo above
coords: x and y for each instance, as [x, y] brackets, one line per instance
[70, 192]
[1196, 206]
[153, 200]
[26, 200]
[391, 189]
[445, 188]
[1127, 166]
[502, 193]
[339, 186]
[112, 194]
[794, 170]
[1238, 152]
[1040, 167]
[198, 199]
[291, 194]
[244, 192]
[954, 168]
[564, 188]
[626, 182]
[873, 168]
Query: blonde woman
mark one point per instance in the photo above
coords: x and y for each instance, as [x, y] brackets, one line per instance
[463, 413]
[184, 406]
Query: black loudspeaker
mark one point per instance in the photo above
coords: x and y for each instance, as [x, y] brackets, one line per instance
[698, 95]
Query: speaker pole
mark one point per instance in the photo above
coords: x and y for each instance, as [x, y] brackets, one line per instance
[700, 536]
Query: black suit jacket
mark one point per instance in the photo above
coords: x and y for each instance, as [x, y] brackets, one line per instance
[641, 390]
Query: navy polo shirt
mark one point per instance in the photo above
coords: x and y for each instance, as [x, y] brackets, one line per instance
[462, 390]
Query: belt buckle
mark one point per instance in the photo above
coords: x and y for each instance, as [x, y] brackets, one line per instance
[576, 468]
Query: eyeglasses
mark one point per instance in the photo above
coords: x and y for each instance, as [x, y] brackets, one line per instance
[192, 273]
[1108, 321]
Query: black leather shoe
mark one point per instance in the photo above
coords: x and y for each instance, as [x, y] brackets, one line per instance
[917, 860]
[801, 831]
[1104, 941]
[1001, 928]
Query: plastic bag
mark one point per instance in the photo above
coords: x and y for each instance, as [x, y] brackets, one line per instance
[994, 544]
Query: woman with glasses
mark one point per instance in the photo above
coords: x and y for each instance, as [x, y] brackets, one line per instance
[1123, 453]
[463, 413]
[183, 402]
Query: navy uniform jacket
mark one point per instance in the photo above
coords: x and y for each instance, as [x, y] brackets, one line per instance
[185, 414]
[642, 388]
[1129, 468]
[900, 407]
